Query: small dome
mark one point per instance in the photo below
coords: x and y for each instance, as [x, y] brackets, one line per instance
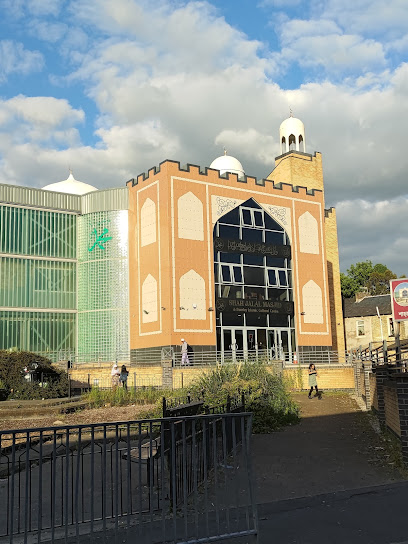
[292, 135]
[226, 163]
[70, 186]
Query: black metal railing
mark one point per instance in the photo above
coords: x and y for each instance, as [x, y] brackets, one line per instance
[169, 477]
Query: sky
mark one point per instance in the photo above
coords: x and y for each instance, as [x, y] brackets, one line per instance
[112, 88]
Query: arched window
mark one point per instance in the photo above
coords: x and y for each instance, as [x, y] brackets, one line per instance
[148, 223]
[308, 234]
[283, 145]
[292, 143]
[301, 143]
[190, 217]
[192, 296]
[149, 300]
[312, 303]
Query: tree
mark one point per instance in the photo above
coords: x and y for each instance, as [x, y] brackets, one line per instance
[364, 276]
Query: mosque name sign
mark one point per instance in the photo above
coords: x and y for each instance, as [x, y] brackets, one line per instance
[241, 305]
[399, 299]
[253, 248]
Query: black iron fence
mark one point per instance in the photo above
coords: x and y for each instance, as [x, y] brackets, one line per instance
[179, 479]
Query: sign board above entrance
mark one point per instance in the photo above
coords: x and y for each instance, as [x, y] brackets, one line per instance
[253, 248]
[243, 305]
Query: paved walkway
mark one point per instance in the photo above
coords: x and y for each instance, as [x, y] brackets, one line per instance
[329, 479]
[333, 448]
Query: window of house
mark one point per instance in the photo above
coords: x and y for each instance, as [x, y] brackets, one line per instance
[360, 328]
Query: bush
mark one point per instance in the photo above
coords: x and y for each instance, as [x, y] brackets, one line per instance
[266, 395]
[12, 364]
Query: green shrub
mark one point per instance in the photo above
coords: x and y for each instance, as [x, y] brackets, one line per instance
[12, 364]
[265, 394]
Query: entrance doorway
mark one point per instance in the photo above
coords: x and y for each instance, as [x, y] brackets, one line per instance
[247, 343]
[279, 344]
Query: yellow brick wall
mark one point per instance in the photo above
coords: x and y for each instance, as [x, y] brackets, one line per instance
[328, 377]
[392, 419]
[373, 390]
[333, 272]
[300, 170]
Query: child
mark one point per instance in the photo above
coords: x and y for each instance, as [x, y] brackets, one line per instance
[123, 377]
[313, 380]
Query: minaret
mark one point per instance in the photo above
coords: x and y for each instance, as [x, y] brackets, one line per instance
[292, 135]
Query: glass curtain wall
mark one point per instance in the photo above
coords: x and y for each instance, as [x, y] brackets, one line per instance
[37, 272]
[253, 278]
[103, 286]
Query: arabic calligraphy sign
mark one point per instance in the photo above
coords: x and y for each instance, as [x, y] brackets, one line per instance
[254, 248]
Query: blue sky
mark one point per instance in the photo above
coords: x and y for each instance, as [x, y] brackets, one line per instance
[113, 88]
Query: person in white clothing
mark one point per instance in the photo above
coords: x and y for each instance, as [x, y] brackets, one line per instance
[184, 352]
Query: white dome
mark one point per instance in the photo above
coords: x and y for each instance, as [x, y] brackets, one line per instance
[226, 163]
[292, 135]
[70, 186]
[292, 125]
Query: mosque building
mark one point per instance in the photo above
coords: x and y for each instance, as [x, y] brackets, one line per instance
[232, 264]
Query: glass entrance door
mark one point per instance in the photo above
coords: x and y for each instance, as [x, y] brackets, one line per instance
[279, 343]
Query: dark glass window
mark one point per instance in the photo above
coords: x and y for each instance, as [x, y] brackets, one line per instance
[254, 293]
[237, 274]
[271, 224]
[254, 275]
[231, 291]
[276, 320]
[255, 320]
[232, 319]
[253, 259]
[277, 294]
[246, 217]
[258, 218]
[275, 238]
[230, 257]
[226, 231]
[275, 262]
[272, 280]
[231, 218]
[251, 235]
[283, 280]
[226, 274]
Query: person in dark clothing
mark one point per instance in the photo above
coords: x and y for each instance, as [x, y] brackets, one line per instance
[313, 380]
[124, 376]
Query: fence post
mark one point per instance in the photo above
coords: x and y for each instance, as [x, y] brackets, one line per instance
[164, 407]
[69, 386]
[134, 382]
[89, 382]
[385, 352]
[243, 401]
[228, 404]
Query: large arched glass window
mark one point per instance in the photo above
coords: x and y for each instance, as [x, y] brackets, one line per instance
[252, 267]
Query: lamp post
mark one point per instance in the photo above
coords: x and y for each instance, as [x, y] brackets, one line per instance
[381, 327]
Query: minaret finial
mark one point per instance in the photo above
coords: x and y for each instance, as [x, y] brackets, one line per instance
[290, 112]
[225, 150]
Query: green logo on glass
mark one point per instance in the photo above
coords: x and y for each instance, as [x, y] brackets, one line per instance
[100, 240]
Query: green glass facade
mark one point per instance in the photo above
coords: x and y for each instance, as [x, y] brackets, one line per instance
[103, 286]
[37, 279]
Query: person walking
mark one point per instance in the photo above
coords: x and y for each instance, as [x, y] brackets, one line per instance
[313, 380]
[115, 376]
[124, 376]
[184, 353]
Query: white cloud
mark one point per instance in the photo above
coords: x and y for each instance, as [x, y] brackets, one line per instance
[374, 231]
[175, 81]
[14, 58]
[47, 31]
